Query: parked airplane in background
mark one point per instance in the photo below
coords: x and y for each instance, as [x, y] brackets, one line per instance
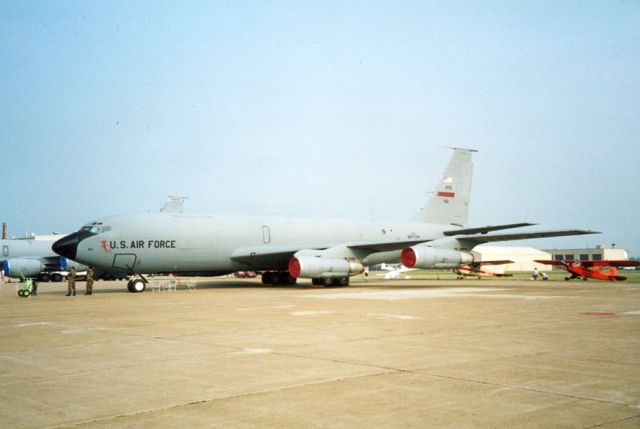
[592, 269]
[285, 249]
[476, 269]
[33, 258]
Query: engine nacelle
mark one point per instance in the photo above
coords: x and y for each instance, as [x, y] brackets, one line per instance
[22, 267]
[66, 264]
[311, 267]
[431, 257]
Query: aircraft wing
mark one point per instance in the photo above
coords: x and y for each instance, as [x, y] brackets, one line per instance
[498, 262]
[279, 256]
[387, 246]
[471, 241]
[486, 229]
[550, 262]
[606, 263]
[267, 256]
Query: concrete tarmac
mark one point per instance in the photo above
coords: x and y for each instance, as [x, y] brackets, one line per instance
[236, 354]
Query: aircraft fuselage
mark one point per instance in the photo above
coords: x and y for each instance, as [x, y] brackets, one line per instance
[209, 244]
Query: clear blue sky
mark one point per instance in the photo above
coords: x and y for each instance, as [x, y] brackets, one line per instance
[321, 109]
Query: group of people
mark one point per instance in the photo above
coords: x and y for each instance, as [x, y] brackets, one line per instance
[71, 282]
[534, 275]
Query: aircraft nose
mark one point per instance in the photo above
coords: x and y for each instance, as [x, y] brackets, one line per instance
[67, 246]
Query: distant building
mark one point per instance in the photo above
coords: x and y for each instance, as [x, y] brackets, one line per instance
[599, 253]
[522, 257]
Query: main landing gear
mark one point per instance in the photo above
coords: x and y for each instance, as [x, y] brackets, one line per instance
[136, 285]
[283, 278]
[331, 282]
[278, 278]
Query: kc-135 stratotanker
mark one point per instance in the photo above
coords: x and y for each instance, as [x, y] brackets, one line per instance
[328, 251]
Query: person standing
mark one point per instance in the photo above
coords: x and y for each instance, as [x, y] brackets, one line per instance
[71, 282]
[89, 281]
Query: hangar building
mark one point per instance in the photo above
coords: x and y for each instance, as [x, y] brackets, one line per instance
[522, 257]
[599, 253]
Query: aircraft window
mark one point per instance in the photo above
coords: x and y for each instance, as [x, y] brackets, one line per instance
[5, 250]
[91, 228]
[106, 228]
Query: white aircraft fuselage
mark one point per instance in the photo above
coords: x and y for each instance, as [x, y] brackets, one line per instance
[327, 251]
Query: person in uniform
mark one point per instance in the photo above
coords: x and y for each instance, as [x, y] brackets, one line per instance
[89, 281]
[71, 282]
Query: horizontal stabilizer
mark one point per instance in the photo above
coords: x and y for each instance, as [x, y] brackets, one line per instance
[485, 229]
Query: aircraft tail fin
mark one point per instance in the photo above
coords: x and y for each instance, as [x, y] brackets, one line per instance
[173, 204]
[449, 204]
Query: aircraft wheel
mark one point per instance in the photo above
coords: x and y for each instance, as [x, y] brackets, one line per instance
[284, 278]
[327, 281]
[566, 279]
[136, 286]
[585, 279]
[316, 282]
[343, 281]
[267, 278]
[56, 277]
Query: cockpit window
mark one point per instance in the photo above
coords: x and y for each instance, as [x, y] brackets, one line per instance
[95, 228]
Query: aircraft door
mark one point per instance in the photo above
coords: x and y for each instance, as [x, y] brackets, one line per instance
[124, 261]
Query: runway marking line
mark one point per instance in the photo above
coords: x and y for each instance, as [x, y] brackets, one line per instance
[598, 313]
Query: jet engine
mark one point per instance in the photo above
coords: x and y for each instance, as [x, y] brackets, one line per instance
[22, 267]
[319, 267]
[431, 257]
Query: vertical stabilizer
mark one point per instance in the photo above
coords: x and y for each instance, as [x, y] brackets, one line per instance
[449, 204]
[173, 205]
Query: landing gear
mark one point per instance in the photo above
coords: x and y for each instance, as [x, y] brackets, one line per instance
[331, 282]
[136, 285]
[278, 278]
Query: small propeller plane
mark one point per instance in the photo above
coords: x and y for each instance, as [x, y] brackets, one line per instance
[475, 269]
[592, 269]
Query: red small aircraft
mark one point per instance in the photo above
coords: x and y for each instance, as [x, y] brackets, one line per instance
[583, 269]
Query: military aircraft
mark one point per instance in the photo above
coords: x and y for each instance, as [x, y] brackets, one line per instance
[285, 249]
[32, 257]
[592, 269]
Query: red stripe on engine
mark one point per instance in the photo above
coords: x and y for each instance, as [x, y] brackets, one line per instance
[294, 267]
[447, 194]
[408, 257]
